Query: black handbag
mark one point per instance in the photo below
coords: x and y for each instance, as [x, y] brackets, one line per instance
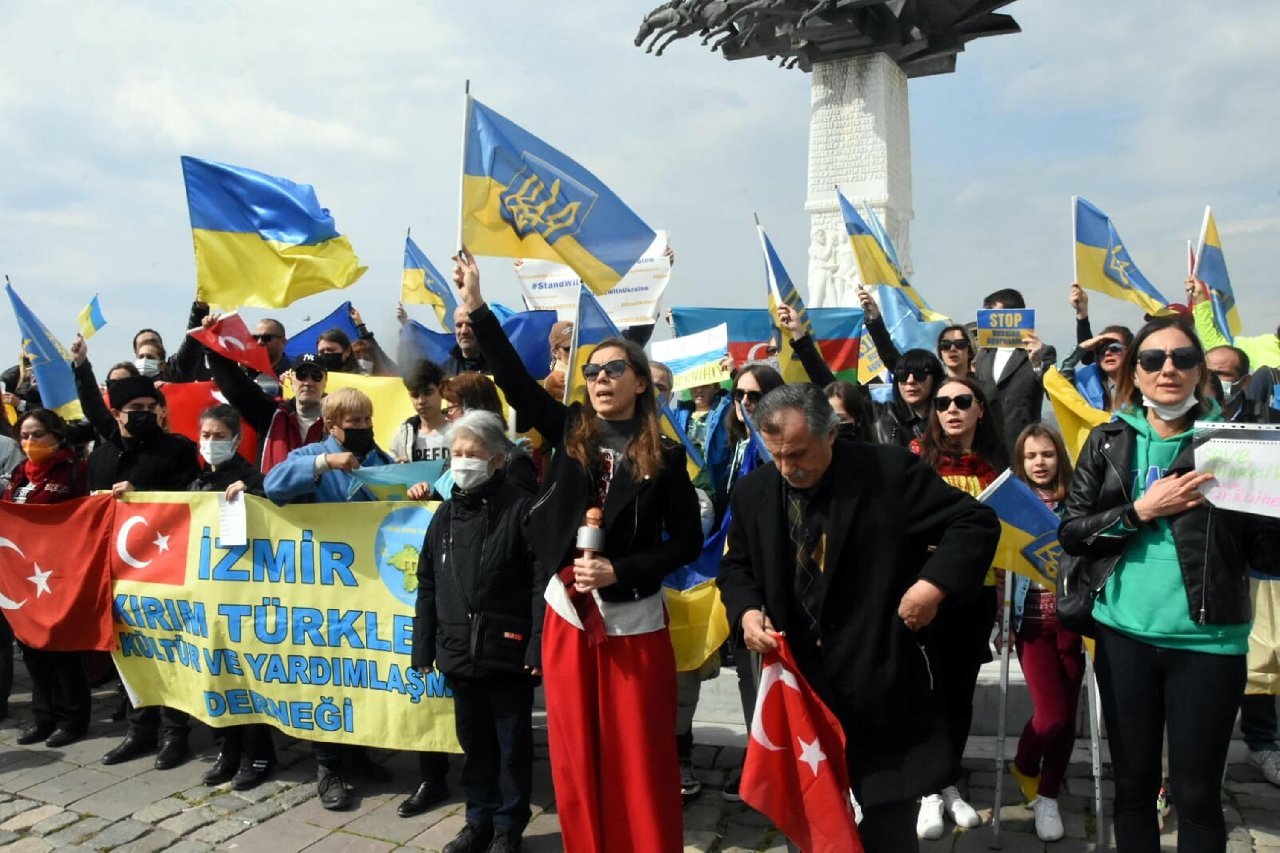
[1075, 596]
[500, 642]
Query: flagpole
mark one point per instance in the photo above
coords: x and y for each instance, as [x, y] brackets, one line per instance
[462, 170]
[1095, 753]
[1002, 718]
[1075, 233]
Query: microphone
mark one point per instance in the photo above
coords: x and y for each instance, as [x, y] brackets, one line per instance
[591, 536]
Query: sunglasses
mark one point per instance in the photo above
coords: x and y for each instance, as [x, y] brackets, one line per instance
[1113, 348]
[262, 339]
[613, 369]
[919, 374]
[307, 374]
[962, 401]
[741, 394]
[952, 343]
[1184, 358]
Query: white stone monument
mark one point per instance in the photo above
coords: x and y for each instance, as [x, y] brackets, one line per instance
[859, 140]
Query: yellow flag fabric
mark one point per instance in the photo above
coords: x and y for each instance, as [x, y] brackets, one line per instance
[698, 625]
[1264, 637]
[391, 402]
[307, 628]
[1076, 418]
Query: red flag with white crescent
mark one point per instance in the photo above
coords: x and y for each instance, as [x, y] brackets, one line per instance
[229, 337]
[186, 401]
[795, 771]
[55, 587]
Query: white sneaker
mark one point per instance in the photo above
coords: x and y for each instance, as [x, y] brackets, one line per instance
[1048, 819]
[961, 812]
[1268, 763]
[929, 824]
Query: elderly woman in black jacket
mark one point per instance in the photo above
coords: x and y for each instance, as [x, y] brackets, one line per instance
[479, 621]
[610, 668]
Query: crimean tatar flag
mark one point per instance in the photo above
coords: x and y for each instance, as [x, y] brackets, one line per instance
[1211, 268]
[524, 199]
[50, 361]
[422, 284]
[1028, 530]
[90, 318]
[262, 240]
[1103, 263]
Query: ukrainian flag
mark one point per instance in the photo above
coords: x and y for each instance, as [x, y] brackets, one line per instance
[261, 240]
[90, 318]
[697, 619]
[694, 462]
[873, 259]
[1028, 530]
[591, 326]
[422, 284]
[1103, 263]
[521, 198]
[50, 361]
[783, 292]
[1211, 268]
[1076, 417]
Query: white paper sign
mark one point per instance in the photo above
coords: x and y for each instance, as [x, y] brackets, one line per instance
[1245, 462]
[233, 523]
[548, 286]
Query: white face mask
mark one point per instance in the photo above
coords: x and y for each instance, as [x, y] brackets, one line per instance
[366, 366]
[1171, 413]
[216, 451]
[1227, 387]
[469, 474]
[147, 366]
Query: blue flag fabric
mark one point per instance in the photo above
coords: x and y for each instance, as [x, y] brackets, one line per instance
[301, 343]
[1088, 382]
[903, 322]
[528, 331]
[50, 362]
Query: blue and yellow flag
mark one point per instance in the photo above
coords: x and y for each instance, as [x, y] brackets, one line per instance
[422, 284]
[875, 265]
[524, 199]
[1076, 417]
[1103, 263]
[694, 463]
[591, 326]
[1028, 530]
[1211, 268]
[698, 622]
[262, 240]
[782, 291]
[49, 360]
[90, 318]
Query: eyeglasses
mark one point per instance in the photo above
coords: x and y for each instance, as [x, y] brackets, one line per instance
[262, 339]
[308, 374]
[962, 401]
[613, 369]
[453, 408]
[952, 343]
[919, 374]
[1113, 348]
[741, 394]
[1184, 358]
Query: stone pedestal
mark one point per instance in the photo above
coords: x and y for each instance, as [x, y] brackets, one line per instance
[860, 139]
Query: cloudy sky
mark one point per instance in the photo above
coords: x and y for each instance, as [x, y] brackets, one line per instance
[1148, 111]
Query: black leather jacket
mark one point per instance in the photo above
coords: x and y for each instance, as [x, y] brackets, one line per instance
[1215, 547]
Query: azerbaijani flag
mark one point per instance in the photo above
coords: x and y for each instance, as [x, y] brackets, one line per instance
[521, 198]
[836, 332]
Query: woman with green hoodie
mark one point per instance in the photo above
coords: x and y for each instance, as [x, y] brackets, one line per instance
[1171, 606]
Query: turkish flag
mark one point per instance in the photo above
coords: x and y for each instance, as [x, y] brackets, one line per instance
[186, 401]
[228, 336]
[54, 586]
[149, 542]
[795, 772]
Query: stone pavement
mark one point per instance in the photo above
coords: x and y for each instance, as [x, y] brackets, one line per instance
[66, 799]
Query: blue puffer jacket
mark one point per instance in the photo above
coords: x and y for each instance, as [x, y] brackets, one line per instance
[294, 480]
[716, 453]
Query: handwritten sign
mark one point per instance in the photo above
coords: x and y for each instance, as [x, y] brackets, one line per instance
[694, 359]
[1005, 327]
[1245, 461]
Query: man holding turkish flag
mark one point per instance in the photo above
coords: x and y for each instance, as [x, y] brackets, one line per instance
[229, 337]
[795, 771]
[57, 598]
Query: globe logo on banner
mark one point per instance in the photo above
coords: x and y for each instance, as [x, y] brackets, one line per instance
[541, 199]
[397, 547]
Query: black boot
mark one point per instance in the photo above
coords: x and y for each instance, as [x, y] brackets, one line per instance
[134, 745]
[172, 753]
[223, 769]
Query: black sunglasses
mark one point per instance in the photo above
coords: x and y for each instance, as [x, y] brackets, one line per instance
[614, 369]
[952, 343]
[962, 401]
[919, 374]
[741, 394]
[308, 374]
[1184, 358]
[262, 339]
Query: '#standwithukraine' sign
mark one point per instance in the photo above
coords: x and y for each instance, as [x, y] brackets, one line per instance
[308, 627]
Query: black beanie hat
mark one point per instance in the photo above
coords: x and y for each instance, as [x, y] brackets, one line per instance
[127, 388]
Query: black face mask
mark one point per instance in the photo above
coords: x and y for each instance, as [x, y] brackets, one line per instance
[847, 430]
[142, 425]
[331, 360]
[359, 440]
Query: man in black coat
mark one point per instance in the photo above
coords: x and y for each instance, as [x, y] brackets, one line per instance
[890, 543]
[1015, 372]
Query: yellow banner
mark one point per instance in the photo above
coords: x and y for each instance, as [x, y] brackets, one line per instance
[307, 627]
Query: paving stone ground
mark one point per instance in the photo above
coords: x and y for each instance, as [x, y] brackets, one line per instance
[66, 800]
